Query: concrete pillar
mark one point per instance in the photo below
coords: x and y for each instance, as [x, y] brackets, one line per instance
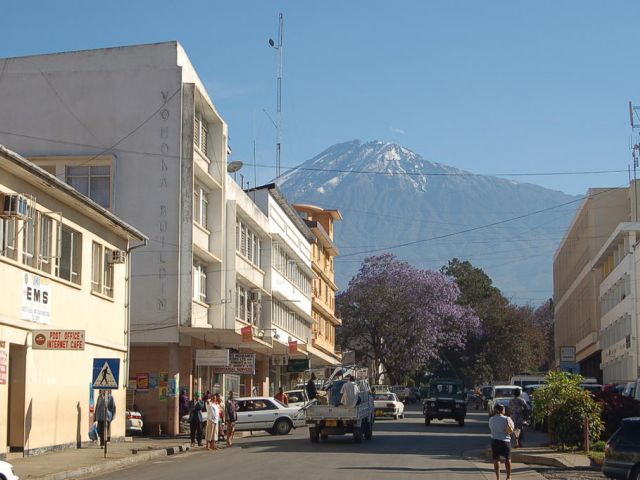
[173, 413]
[262, 374]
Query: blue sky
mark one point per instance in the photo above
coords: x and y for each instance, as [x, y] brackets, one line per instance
[487, 86]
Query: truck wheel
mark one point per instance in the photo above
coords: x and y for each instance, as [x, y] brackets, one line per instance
[461, 422]
[313, 435]
[357, 435]
[427, 421]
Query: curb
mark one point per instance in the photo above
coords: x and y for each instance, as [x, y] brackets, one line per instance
[109, 466]
[532, 459]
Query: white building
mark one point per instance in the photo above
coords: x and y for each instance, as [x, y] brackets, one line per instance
[135, 129]
[618, 263]
[64, 292]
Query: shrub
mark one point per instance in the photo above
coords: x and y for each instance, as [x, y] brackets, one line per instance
[566, 406]
[615, 407]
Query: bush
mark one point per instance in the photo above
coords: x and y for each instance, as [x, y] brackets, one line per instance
[615, 407]
[566, 406]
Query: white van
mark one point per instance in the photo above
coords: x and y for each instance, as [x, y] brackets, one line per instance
[526, 379]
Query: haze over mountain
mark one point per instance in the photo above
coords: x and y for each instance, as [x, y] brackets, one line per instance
[392, 199]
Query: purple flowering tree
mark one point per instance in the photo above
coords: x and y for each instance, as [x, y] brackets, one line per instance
[399, 317]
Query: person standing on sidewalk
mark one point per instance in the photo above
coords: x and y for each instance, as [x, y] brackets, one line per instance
[195, 419]
[213, 416]
[501, 429]
[231, 417]
[104, 416]
[519, 413]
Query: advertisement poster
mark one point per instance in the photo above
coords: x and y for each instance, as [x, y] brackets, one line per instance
[153, 380]
[164, 379]
[142, 382]
[162, 394]
[172, 388]
[36, 299]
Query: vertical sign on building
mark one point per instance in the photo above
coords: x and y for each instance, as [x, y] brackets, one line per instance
[36, 299]
[3, 363]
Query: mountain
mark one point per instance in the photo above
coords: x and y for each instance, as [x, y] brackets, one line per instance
[392, 199]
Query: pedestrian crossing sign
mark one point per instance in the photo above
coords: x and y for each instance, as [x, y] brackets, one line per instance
[106, 372]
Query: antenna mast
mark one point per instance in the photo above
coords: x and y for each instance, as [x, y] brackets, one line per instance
[635, 152]
[278, 45]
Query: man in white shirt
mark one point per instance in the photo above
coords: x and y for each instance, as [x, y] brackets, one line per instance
[501, 430]
[349, 393]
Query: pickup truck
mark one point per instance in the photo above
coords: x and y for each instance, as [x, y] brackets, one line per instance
[334, 419]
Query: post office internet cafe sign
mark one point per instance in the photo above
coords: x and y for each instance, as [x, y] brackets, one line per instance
[58, 339]
[239, 363]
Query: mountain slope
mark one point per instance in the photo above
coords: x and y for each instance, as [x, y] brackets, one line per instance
[426, 213]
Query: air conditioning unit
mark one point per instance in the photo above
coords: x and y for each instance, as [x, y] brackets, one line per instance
[117, 256]
[14, 205]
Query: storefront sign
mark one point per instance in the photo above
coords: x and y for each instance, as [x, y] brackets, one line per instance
[247, 333]
[3, 364]
[279, 360]
[36, 299]
[58, 340]
[297, 365]
[293, 347]
[212, 358]
[142, 382]
[239, 363]
[567, 354]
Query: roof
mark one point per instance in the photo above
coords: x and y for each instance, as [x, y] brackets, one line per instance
[288, 209]
[36, 176]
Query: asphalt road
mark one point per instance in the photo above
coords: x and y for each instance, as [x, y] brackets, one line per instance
[402, 449]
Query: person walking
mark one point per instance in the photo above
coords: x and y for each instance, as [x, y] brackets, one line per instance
[519, 413]
[231, 417]
[213, 416]
[104, 415]
[501, 428]
[282, 397]
[195, 419]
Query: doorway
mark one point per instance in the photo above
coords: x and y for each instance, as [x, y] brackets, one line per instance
[17, 389]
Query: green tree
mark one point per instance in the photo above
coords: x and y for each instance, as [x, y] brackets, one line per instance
[566, 406]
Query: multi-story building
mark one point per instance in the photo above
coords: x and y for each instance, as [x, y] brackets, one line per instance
[576, 283]
[64, 292]
[619, 293]
[135, 129]
[287, 319]
[323, 345]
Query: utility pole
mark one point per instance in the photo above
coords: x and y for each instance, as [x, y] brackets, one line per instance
[634, 119]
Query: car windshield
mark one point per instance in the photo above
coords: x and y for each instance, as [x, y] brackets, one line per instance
[295, 397]
[382, 396]
[504, 392]
[446, 388]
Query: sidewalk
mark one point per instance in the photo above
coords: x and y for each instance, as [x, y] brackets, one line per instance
[90, 461]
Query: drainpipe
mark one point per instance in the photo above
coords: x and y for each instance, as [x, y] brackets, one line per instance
[128, 306]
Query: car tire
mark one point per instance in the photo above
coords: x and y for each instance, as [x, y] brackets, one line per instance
[461, 422]
[270, 431]
[313, 435]
[282, 426]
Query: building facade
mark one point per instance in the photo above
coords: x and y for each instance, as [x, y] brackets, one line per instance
[576, 283]
[323, 345]
[64, 292]
[135, 129]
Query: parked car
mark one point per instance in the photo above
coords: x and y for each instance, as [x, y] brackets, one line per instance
[622, 453]
[400, 390]
[7, 472]
[297, 398]
[134, 422]
[388, 405]
[380, 388]
[501, 395]
[447, 399]
[263, 413]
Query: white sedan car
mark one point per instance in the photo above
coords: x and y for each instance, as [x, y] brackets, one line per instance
[388, 405]
[263, 413]
[6, 471]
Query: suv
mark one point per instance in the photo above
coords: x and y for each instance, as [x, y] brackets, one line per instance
[622, 453]
[446, 398]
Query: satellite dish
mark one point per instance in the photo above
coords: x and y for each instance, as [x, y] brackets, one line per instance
[234, 166]
[272, 43]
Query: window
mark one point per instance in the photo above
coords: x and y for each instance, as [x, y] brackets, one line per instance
[92, 181]
[96, 268]
[247, 303]
[200, 205]
[199, 281]
[107, 285]
[45, 242]
[248, 243]
[29, 241]
[200, 134]
[8, 238]
[289, 267]
[70, 255]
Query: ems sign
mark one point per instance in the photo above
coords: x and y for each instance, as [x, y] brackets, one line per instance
[36, 299]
